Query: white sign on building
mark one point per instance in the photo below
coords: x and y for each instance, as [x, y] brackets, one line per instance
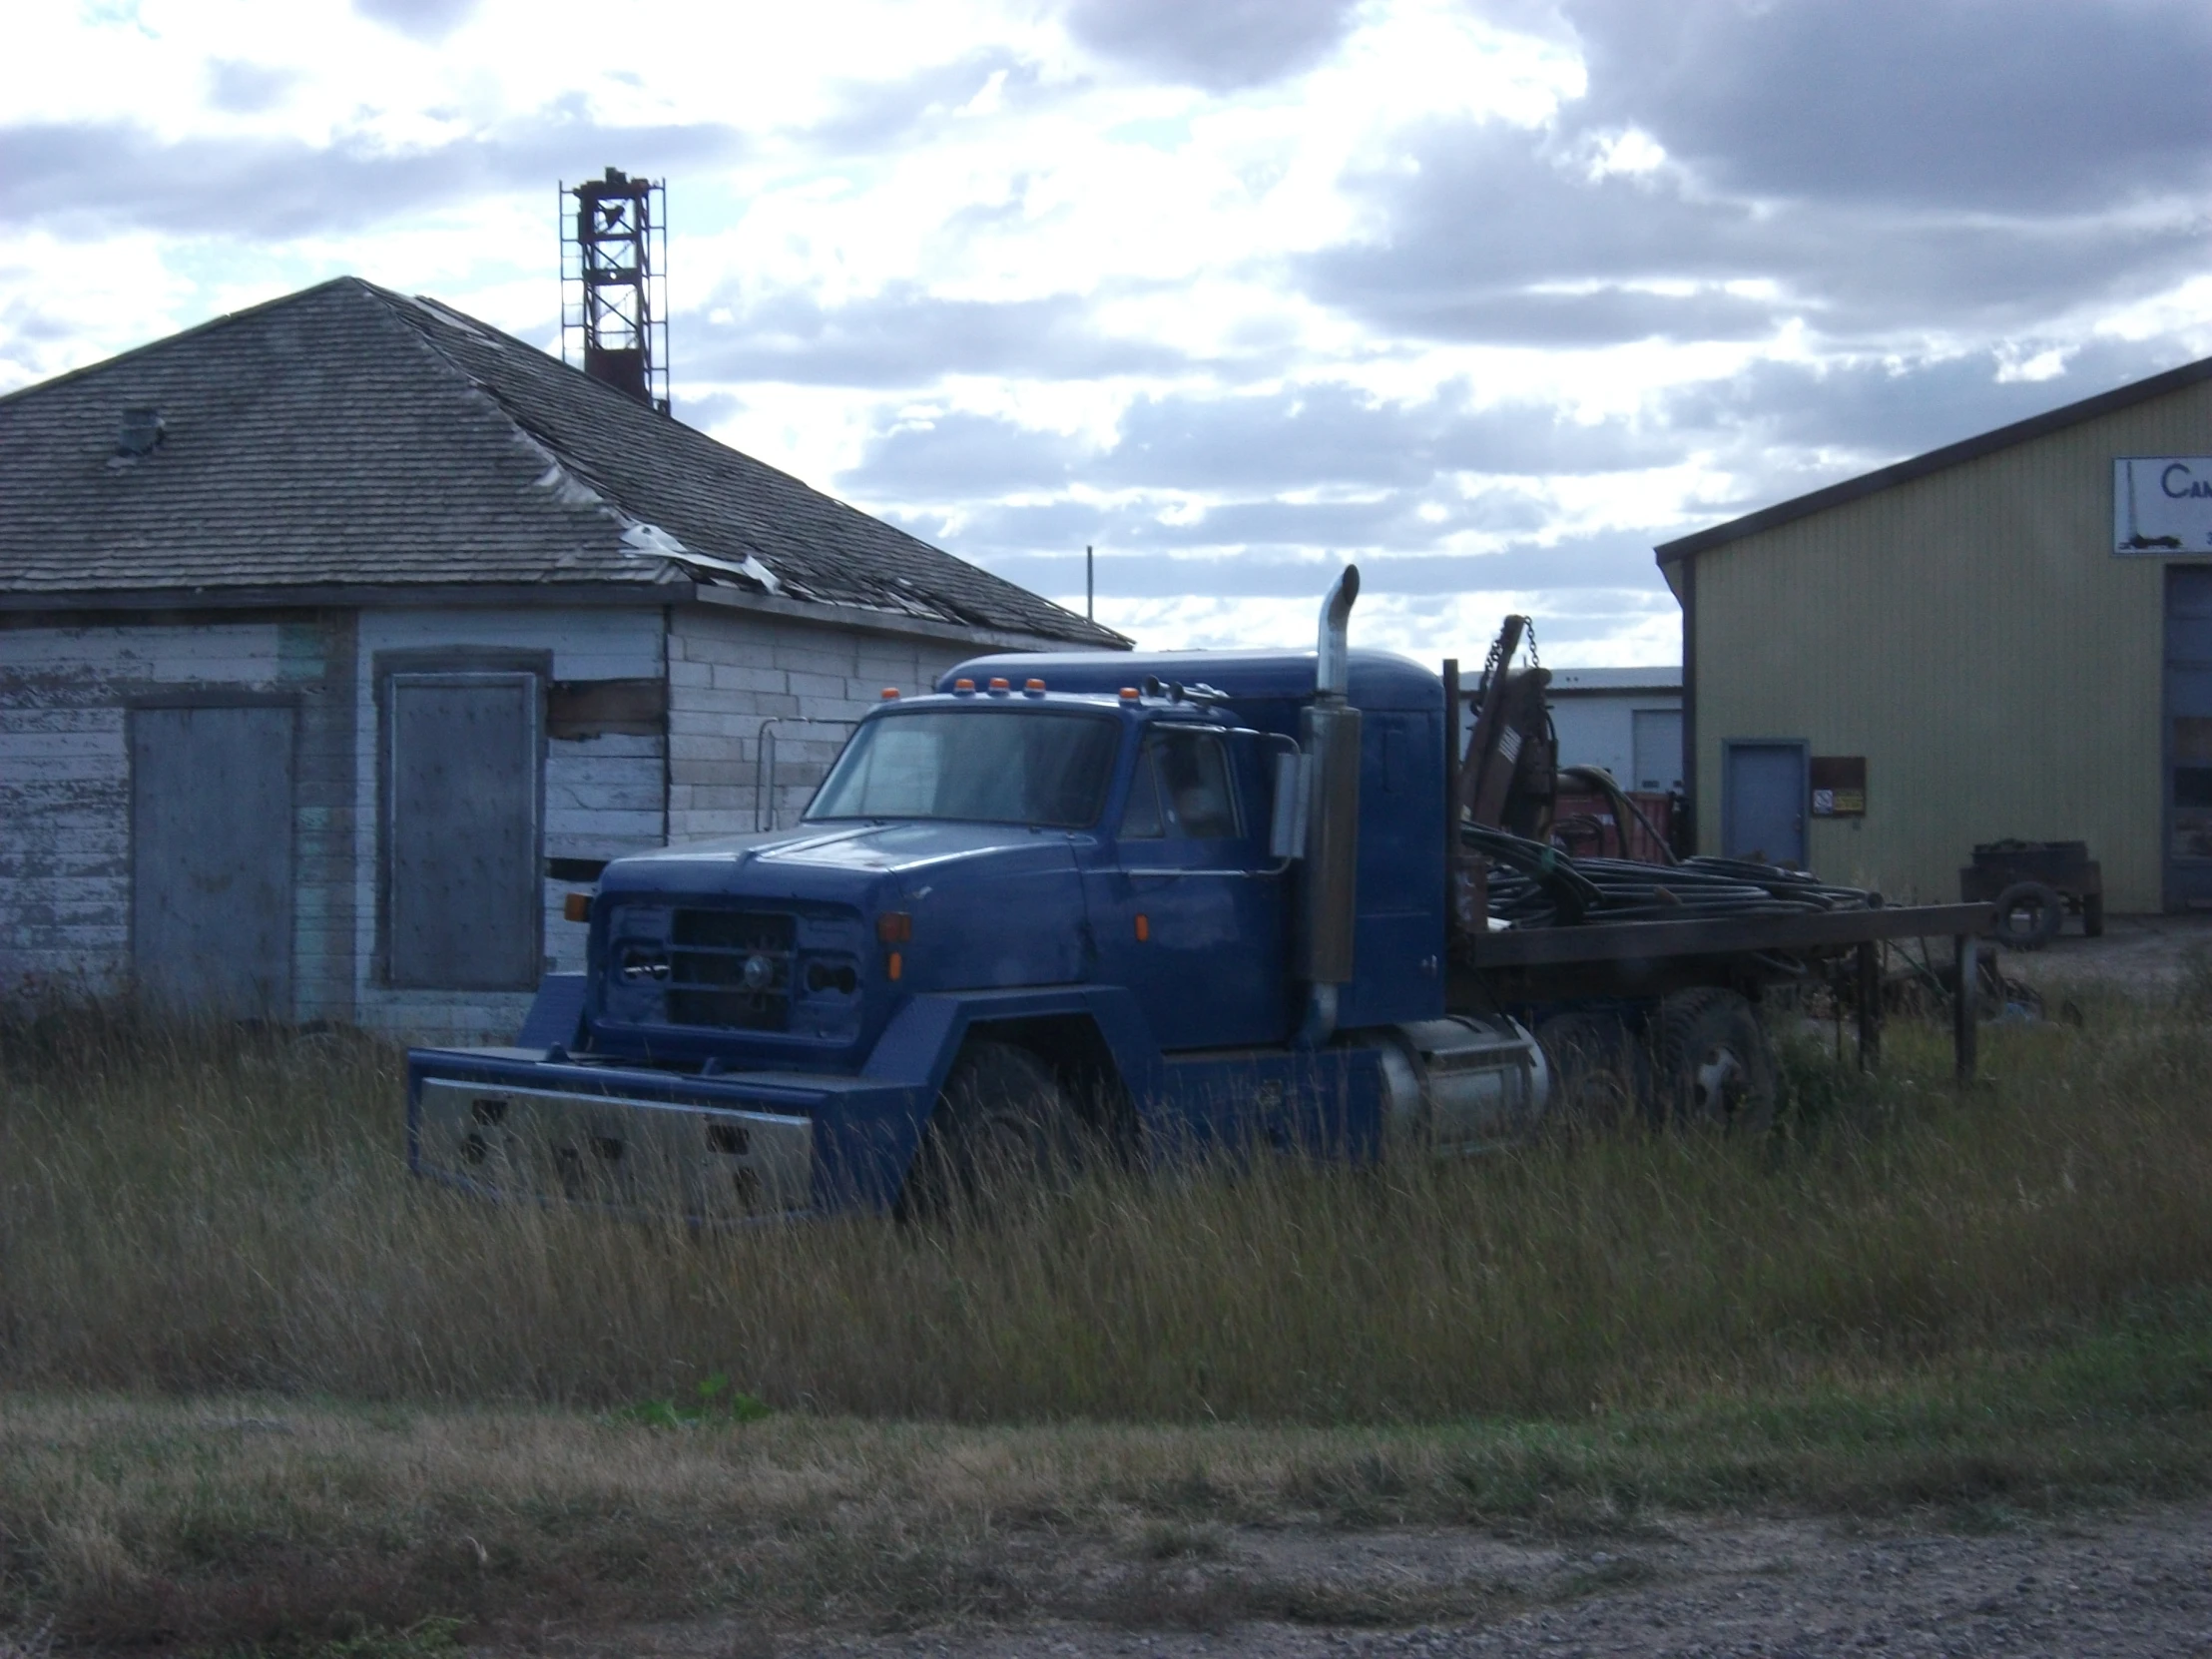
[2161, 505]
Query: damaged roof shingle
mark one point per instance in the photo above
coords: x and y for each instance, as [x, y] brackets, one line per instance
[348, 436]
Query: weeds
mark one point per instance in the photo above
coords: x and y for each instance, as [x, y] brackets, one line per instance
[269, 1390]
[712, 1403]
[189, 1209]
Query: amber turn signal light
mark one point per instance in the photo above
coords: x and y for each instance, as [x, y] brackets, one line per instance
[1144, 927]
[576, 906]
[894, 928]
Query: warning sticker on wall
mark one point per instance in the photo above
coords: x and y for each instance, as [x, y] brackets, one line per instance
[1839, 784]
[2161, 505]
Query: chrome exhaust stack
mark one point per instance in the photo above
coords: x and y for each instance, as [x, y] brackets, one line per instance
[1330, 733]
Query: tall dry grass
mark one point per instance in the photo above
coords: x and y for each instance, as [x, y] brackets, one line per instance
[185, 1207]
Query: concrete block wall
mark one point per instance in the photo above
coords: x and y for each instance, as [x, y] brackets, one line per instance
[732, 671]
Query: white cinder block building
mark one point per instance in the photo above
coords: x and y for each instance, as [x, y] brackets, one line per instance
[338, 638]
[1626, 720]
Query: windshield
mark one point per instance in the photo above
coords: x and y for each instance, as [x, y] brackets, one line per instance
[988, 765]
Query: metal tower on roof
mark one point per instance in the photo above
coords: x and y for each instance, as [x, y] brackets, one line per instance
[614, 282]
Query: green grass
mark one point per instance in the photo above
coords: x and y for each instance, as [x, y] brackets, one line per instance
[265, 1388]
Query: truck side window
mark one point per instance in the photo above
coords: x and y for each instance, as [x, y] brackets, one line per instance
[1140, 819]
[1193, 781]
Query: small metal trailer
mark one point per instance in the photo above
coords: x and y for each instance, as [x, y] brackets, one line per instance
[2032, 887]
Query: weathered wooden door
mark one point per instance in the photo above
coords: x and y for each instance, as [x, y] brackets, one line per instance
[465, 901]
[211, 857]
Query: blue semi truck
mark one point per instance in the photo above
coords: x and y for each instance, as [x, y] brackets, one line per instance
[1155, 903]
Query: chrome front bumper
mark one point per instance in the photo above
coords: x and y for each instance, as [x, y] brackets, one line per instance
[704, 1163]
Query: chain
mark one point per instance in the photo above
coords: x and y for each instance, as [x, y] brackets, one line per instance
[1534, 660]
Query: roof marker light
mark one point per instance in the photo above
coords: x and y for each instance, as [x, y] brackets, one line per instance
[891, 694]
[1000, 686]
[1129, 694]
[963, 687]
[1033, 688]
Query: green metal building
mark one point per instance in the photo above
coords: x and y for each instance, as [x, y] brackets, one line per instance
[2009, 637]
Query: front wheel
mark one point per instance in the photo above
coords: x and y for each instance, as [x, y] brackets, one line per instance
[1002, 1128]
[1711, 1063]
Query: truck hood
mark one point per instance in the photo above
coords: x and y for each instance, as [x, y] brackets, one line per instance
[985, 906]
[811, 856]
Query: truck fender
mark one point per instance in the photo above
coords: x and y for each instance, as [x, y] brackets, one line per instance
[920, 1045]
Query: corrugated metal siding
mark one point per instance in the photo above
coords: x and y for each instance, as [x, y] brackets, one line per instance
[729, 671]
[1971, 634]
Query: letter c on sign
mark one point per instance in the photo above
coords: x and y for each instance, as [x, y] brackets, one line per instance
[2166, 480]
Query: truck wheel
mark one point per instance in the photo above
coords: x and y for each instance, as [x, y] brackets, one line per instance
[1596, 1067]
[2029, 915]
[1711, 1063]
[2092, 915]
[1001, 1127]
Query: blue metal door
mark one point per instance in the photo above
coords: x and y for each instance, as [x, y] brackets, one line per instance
[1763, 800]
[2188, 781]
[1180, 909]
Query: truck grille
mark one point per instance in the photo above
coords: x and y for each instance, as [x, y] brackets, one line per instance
[731, 968]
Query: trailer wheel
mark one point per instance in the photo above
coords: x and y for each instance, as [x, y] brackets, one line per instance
[1596, 1067]
[1001, 1128]
[1711, 1062]
[2029, 914]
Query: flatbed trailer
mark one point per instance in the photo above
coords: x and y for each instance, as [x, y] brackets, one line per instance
[1537, 965]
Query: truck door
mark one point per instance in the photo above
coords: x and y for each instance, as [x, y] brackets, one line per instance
[1184, 903]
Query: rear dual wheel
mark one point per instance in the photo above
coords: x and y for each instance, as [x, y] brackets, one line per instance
[1702, 1058]
[1711, 1063]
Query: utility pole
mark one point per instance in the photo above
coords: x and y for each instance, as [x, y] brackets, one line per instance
[1090, 586]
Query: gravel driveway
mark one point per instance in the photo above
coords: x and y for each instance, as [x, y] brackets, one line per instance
[2137, 1584]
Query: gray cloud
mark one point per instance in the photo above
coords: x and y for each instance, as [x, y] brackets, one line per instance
[1491, 217]
[93, 178]
[904, 336]
[1326, 435]
[1882, 412]
[1958, 103]
[1616, 562]
[424, 20]
[1221, 45]
[868, 115]
[242, 88]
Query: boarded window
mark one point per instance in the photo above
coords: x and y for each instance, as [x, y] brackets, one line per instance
[464, 907]
[211, 857]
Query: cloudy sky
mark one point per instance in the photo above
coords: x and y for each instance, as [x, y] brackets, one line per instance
[1489, 295]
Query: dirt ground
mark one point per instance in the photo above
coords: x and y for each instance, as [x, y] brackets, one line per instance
[2138, 1585]
[2140, 955]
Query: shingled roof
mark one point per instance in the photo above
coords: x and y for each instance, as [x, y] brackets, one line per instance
[347, 437]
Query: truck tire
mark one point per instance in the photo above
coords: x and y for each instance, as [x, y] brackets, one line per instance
[1597, 1070]
[2029, 914]
[1001, 1129]
[1711, 1063]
